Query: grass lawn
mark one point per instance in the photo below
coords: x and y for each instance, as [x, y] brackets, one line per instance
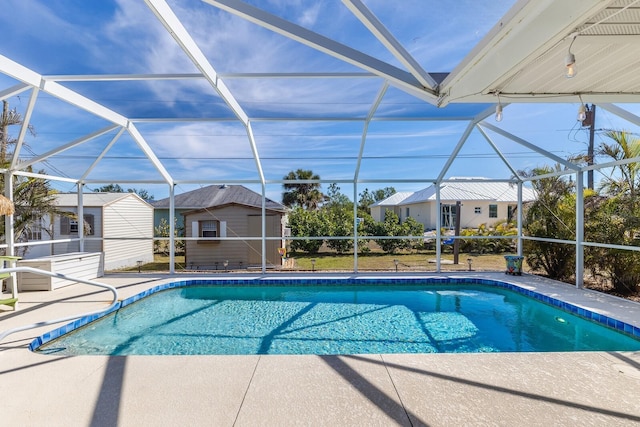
[366, 262]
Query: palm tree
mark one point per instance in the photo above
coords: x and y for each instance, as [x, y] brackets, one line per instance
[623, 147]
[305, 194]
[33, 198]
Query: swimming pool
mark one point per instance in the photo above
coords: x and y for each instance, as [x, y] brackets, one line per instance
[339, 317]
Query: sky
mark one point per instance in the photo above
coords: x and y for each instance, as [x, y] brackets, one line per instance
[79, 37]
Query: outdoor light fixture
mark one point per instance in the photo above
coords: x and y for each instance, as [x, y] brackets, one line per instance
[395, 261]
[570, 62]
[499, 110]
[582, 111]
[226, 264]
[313, 264]
[469, 261]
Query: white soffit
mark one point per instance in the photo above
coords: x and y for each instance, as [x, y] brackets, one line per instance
[522, 58]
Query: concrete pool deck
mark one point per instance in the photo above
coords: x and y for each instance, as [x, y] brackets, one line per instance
[530, 389]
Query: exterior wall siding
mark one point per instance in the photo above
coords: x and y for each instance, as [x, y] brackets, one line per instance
[211, 255]
[128, 218]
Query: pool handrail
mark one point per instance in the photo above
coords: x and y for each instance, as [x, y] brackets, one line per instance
[113, 304]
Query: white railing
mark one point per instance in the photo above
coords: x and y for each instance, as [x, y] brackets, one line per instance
[113, 304]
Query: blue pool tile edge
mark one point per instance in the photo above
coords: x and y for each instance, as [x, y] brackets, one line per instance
[607, 321]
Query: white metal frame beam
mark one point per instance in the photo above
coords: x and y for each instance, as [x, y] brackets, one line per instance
[378, 29]
[529, 145]
[396, 77]
[14, 90]
[25, 164]
[173, 25]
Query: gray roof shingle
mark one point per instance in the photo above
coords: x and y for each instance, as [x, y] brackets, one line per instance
[218, 195]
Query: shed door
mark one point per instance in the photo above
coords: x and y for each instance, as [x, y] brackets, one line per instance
[255, 246]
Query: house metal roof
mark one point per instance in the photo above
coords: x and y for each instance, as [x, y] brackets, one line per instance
[462, 190]
[394, 199]
[213, 196]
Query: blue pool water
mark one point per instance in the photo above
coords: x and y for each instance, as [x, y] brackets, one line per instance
[337, 320]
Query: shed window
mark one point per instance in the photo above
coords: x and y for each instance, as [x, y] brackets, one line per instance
[493, 211]
[209, 228]
[70, 225]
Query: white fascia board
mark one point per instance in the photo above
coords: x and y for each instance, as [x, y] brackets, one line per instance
[173, 25]
[138, 138]
[14, 90]
[396, 77]
[530, 28]
[390, 42]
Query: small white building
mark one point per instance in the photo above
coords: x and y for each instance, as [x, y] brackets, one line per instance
[481, 203]
[120, 225]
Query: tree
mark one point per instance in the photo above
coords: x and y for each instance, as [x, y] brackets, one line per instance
[391, 227]
[163, 230]
[116, 188]
[551, 215]
[367, 198]
[307, 223]
[306, 195]
[338, 211]
[615, 218]
[33, 197]
[622, 147]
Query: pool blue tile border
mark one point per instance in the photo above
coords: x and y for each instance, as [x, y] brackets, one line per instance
[607, 321]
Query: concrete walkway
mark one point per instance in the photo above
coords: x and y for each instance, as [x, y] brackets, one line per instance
[524, 389]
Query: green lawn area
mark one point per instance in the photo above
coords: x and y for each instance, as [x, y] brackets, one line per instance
[424, 261]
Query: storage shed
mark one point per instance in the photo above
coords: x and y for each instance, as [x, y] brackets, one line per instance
[118, 224]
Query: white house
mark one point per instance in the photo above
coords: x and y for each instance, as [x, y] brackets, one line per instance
[112, 223]
[481, 203]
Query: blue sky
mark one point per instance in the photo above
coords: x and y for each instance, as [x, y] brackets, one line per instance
[76, 37]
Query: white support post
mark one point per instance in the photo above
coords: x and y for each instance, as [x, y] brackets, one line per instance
[264, 228]
[172, 230]
[355, 227]
[579, 229]
[8, 219]
[519, 220]
[80, 214]
[438, 226]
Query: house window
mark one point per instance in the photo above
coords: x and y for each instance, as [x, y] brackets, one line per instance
[208, 228]
[33, 231]
[448, 216]
[493, 211]
[407, 213]
[477, 210]
[70, 225]
[511, 212]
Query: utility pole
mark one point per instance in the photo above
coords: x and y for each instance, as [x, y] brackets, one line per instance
[590, 120]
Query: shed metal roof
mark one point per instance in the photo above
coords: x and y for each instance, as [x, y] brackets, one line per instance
[92, 199]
